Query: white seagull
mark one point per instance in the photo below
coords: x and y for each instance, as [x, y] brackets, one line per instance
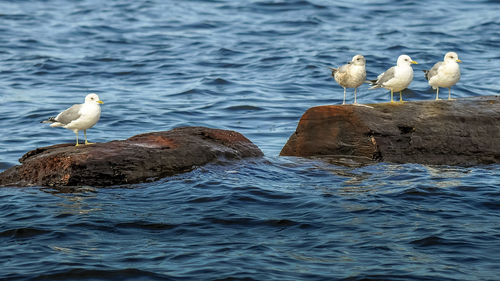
[444, 74]
[396, 78]
[351, 75]
[79, 116]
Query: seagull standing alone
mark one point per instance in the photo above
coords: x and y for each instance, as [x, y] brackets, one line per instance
[79, 116]
[351, 75]
[444, 74]
[396, 78]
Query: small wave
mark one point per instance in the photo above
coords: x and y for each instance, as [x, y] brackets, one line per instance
[82, 12]
[201, 25]
[251, 222]
[145, 225]
[298, 24]
[206, 199]
[243, 108]
[216, 81]
[15, 17]
[270, 194]
[227, 52]
[396, 48]
[435, 240]
[490, 25]
[283, 6]
[104, 59]
[393, 277]
[275, 58]
[98, 274]
[25, 232]
[492, 205]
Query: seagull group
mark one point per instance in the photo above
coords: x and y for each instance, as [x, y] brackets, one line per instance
[443, 74]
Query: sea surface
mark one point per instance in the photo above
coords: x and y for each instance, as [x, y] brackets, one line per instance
[254, 67]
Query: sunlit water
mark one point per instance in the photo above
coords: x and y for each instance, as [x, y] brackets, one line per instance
[253, 67]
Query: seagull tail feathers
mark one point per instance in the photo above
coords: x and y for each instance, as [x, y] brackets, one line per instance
[334, 70]
[50, 120]
[426, 72]
[373, 84]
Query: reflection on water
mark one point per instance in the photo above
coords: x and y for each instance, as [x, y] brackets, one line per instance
[447, 177]
[78, 205]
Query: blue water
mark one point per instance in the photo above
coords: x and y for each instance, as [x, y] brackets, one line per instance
[253, 67]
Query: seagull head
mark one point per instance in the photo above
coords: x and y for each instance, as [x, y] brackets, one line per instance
[93, 98]
[451, 56]
[405, 60]
[358, 60]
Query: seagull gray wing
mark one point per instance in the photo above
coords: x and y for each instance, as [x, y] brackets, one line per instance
[433, 71]
[69, 114]
[386, 76]
[344, 68]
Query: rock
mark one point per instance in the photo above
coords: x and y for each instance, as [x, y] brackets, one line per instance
[457, 132]
[141, 158]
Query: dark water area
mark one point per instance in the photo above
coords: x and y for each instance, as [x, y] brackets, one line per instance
[253, 67]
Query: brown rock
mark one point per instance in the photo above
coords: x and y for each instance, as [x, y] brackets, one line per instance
[458, 132]
[138, 159]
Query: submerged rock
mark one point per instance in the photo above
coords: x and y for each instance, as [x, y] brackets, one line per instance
[141, 158]
[457, 132]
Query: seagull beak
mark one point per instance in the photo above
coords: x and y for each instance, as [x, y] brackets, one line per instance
[414, 62]
[100, 101]
[458, 60]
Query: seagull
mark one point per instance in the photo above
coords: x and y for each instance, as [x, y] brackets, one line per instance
[396, 78]
[444, 74]
[351, 75]
[79, 116]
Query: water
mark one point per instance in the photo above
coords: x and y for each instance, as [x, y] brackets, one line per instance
[253, 67]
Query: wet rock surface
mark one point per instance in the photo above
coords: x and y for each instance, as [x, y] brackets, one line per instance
[457, 132]
[141, 158]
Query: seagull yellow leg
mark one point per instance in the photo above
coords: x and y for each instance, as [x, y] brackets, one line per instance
[437, 93]
[355, 101]
[76, 133]
[392, 96]
[344, 96]
[401, 97]
[85, 134]
[449, 94]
